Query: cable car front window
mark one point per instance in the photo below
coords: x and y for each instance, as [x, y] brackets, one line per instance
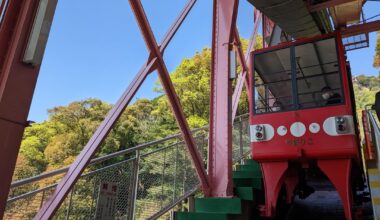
[298, 77]
[273, 82]
[318, 76]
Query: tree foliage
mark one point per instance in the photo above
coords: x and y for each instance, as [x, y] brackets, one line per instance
[56, 142]
[365, 88]
[376, 60]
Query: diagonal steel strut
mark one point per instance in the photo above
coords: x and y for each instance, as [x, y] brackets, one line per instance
[77, 168]
[166, 82]
[243, 76]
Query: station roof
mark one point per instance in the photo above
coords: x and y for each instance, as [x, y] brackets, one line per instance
[299, 18]
[291, 15]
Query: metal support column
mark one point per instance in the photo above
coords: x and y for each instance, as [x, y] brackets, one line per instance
[17, 83]
[220, 134]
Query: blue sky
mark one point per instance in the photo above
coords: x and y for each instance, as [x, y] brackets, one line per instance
[95, 48]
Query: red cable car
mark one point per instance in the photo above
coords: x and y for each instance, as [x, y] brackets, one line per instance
[303, 120]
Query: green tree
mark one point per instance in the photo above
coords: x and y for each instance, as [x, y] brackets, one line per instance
[35, 140]
[191, 81]
[77, 121]
[369, 82]
[56, 142]
[376, 60]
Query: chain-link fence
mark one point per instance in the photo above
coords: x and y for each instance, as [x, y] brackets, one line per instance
[138, 183]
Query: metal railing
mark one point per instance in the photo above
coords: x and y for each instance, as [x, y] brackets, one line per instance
[372, 137]
[149, 180]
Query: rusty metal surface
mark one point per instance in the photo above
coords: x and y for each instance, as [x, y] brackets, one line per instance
[326, 4]
[347, 13]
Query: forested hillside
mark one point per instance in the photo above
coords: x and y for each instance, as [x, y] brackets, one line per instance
[56, 142]
[365, 88]
[376, 59]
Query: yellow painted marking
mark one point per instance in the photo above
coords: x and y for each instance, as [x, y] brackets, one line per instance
[373, 171]
[376, 201]
[374, 184]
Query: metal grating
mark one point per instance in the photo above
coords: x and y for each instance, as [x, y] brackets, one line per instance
[356, 42]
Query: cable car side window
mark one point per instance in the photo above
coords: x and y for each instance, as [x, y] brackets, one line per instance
[273, 82]
[317, 74]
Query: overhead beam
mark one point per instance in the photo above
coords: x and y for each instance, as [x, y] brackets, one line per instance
[326, 4]
[361, 29]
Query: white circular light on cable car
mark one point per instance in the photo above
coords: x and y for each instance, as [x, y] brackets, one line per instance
[297, 129]
[314, 128]
[282, 130]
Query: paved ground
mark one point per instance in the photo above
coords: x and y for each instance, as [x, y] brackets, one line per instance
[320, 205]
[324, 204]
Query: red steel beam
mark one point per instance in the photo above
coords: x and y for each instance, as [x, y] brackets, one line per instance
[268, 26]
[359, 42]
[242, 78]
[239, 50]
[17, 83]
[167, 84]
[77, 168]
[220, 133]
[177, 23]
[326, 4]
[360, 29]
